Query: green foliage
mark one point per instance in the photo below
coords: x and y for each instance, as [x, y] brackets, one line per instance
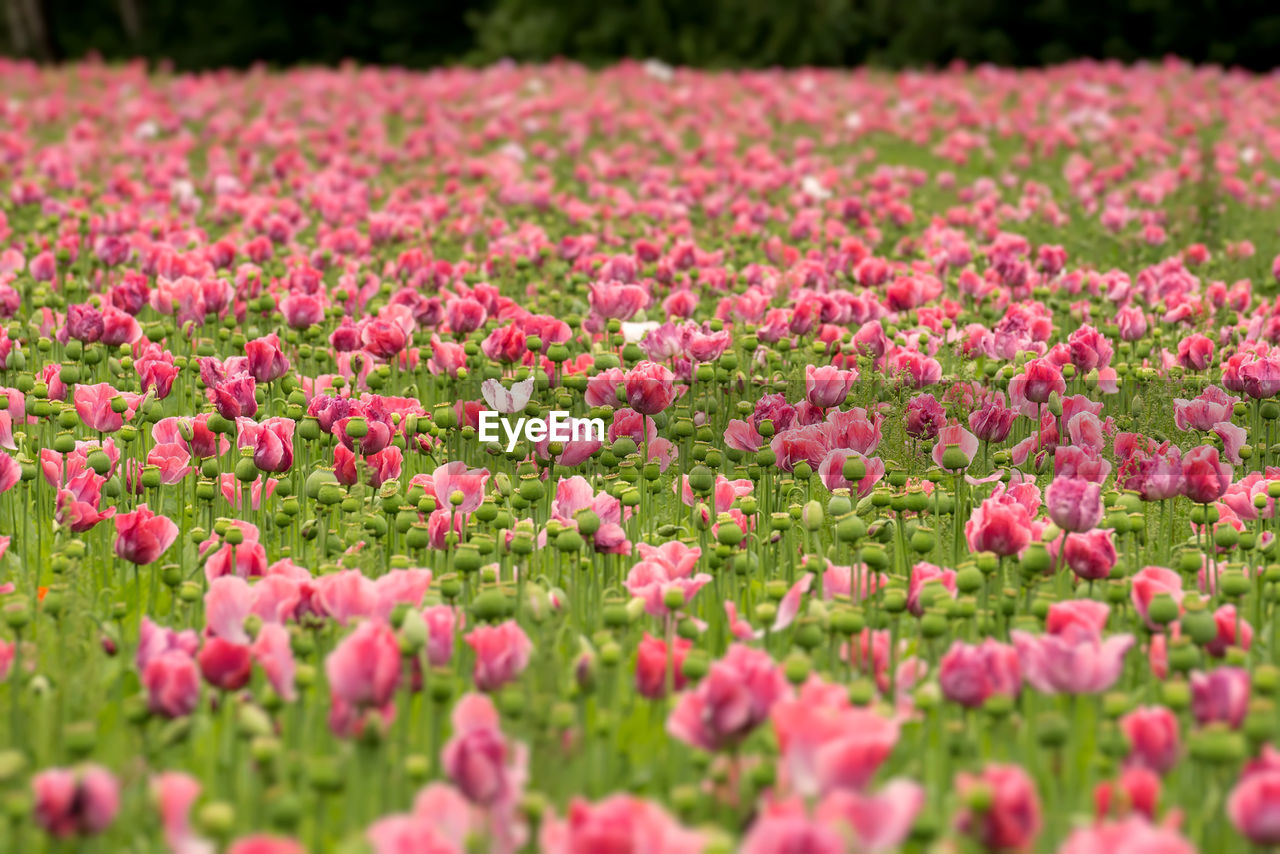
[715, 33]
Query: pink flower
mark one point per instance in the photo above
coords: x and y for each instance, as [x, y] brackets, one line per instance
[1004, 522]
[234, 397]
[93, 405]
[456, 477]
[79, 802]
[1074, 504]
[774, 409]
[1090, 555]
[1136, 791]
[1259, 378]
[1152, 732]
[1089, 349]
[302, 310]
[1254, 807]
[84, 323]
[878, 822]
[809, 444]
[925, 417]
[662, 569]
[1233, 630]
[173, 460]
[266, 361]
[912, 368]
[271, 441]
[1205, 477]
[1074, 660]
[172, 683]
[970, 674]
[43, 267]
[617, 825]
[174, 793]
[734, 698]
[602, 389]
[224, 664]
[828, 744]
[922, 574]
[831, 471]
[1149, 582]
[265, 843]
[703, 345]
[1195, 352]
[1134, 833]
[827, 386]
[142, 536]
[478, 759]
[1040, 379]
[954, 435]
[154, 641]
[400, 833]
[250, 556]
[272, 651]
[502, 653]
[379, 468]
[505, 344]
[465, 315]
[784, 831]
[1132, 323]
[383, 338]
[655, 665]
[76, 505]
[1013, 819]
[1220, 695]
[992, 421]
[650, 388]
[1086, 614]
[616, 300]
[363, 673]
[722, 496]
[446, 357]
[1212, 406]
[1154, 472]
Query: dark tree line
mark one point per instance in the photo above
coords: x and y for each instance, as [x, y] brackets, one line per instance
[703, 32]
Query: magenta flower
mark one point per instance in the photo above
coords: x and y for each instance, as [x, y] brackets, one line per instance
[501, 654]
[81, 802]
[734, 698]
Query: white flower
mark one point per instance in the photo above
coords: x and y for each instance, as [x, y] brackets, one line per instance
[813, 187]
[633, 333]
[659, 70]
[514, 151]
[506, 402]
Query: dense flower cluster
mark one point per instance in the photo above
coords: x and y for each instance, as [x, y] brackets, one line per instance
[935, 505]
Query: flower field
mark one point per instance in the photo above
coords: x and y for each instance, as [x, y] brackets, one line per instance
[935, 506]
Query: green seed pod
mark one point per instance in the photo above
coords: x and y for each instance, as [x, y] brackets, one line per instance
[1233, 582]
[873, 555]
[1163, 609]
[569, 540]
[730, 534]
[1200, 626]
[854, 469]
[797, 668]
[954, 459]
[969, 580]
[695, 665]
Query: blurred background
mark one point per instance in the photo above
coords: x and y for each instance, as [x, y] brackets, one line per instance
[713, 33]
